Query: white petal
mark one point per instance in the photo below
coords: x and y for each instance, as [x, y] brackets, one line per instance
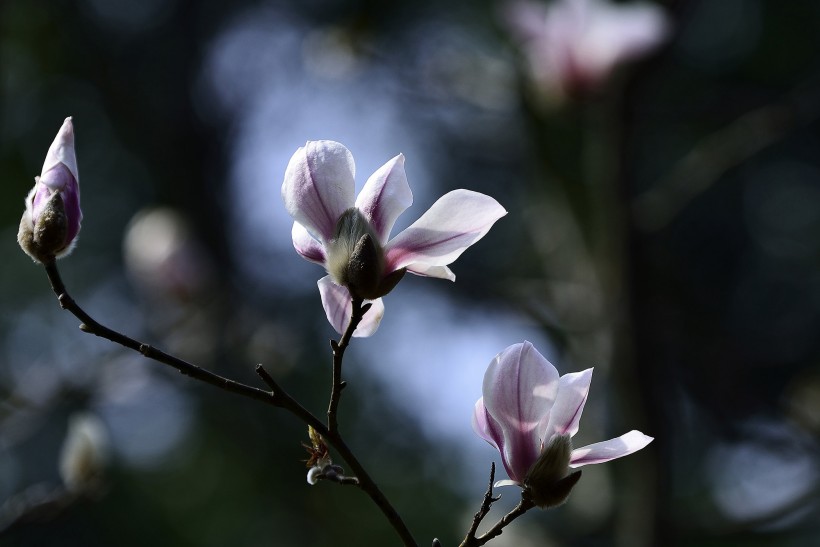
[454, 222]
[61, 151]
[319, 186]
[385, 196]
[338, 307]
[440, 272]
[306, 245]
[617, 33]
[372, 319]
[572, 394]
[519, 389]
[609, 450]
[481, 423]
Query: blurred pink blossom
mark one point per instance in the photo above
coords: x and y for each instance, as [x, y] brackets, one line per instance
[571, 46]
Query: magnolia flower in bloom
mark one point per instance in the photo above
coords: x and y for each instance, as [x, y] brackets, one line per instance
[351, 238]
[51, 222]
[530, 414]
[571, 46]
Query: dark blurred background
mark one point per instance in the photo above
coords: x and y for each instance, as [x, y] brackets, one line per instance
[663, 226]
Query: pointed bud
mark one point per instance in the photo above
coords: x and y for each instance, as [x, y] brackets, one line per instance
[355, 258]
[51, 221]
[548, 482]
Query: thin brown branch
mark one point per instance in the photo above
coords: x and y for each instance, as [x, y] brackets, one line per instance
[523, 506]
[359, 309]
[486, 504]
[91, 326]
[276, 397]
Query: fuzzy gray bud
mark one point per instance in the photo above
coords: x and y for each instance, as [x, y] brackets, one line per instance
[356, 260]
[549, 482]
[44, 237]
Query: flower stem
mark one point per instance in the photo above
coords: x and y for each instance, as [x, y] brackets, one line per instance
[359, 309]
[277, 397]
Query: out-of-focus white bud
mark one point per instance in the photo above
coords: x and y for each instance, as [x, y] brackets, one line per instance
[313, 475]
[163, 257]
[85, 453]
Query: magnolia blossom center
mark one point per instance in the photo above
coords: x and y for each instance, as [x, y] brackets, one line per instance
[548, 481]
[355, 257]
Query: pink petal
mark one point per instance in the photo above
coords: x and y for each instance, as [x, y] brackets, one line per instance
[61, 152]
[481, 423]
[573, 389]
[525, 18]
[306, 245]
[488, 429]
[60, 174]
[519, 389]
[338, 307]
[609, 450]
[74, 215]
[439, 272]
[385, 196]
[319, 186]
[454, 222]
[617, 33]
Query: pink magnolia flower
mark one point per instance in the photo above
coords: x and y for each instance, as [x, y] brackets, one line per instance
[573, 45]
[351, 238]
[51, 221]
[530, 413]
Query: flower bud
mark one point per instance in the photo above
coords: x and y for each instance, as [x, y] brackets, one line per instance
[84, 453]
[313, 475]
[51, 221]
[548, 482]
[356, 259]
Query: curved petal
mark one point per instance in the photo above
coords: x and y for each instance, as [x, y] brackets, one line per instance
[519, 389]
[319, 186]
[73, 213]
[306, 245]
[385, 196]
[481, 423]
[338, 307]
[609, 450]
[372, 319]
[62, 152]
[440, 272]
[572, 394]
[454, 222]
